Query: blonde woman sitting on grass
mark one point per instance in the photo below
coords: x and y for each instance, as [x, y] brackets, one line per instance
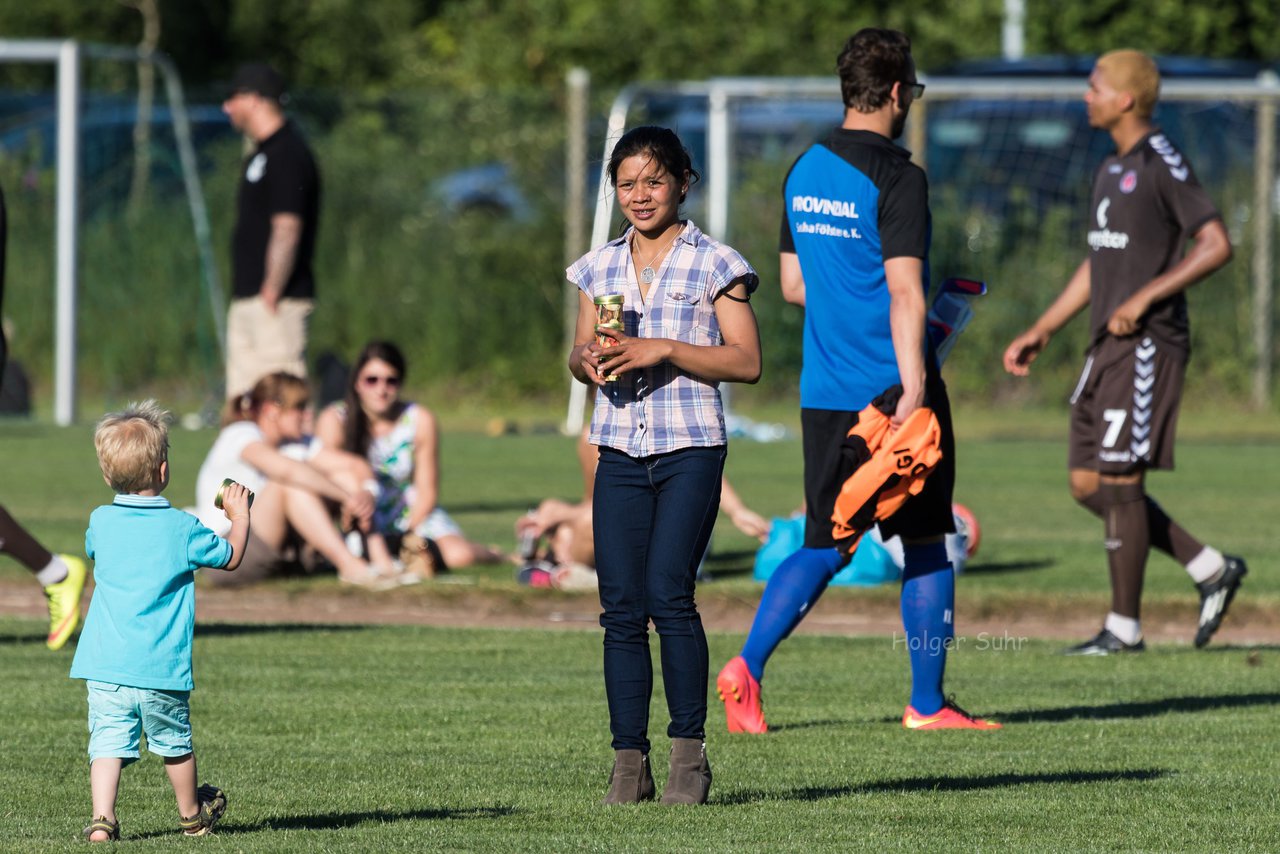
[292, 483]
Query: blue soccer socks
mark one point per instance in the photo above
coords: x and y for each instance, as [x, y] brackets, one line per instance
[792, 590]
[928, 602]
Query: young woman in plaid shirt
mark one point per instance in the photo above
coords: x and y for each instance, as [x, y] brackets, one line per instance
[687, 327]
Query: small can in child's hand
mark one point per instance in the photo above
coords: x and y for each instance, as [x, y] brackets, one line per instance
[217, 499]
[608, 316]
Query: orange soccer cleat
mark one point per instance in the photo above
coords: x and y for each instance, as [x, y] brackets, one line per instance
[743, 709]
[950, 716]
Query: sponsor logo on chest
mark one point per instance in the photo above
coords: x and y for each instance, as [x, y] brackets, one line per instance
[1103, 237]
[822, 206]
[819, 205]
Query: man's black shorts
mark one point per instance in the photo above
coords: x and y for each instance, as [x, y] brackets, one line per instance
[827, 465]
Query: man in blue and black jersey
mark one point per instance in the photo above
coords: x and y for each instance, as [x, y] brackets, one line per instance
[854, 252]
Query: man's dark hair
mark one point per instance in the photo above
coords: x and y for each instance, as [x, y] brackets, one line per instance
[872, 61]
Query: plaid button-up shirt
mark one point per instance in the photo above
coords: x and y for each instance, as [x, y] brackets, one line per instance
[661, 408]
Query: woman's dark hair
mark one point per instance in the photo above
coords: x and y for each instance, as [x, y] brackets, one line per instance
[871, 62]
[662, 145]
[355, 429]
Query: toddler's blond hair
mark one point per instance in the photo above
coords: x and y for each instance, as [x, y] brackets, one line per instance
[131, 445]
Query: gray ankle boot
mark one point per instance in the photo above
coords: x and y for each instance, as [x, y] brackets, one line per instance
[630, 781]
[690, 777]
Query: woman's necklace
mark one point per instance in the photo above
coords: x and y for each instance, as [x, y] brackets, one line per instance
[647, 274]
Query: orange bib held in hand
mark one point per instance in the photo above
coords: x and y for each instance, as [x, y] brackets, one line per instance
[891, 467]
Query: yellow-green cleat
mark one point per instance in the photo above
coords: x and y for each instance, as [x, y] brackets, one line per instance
[64, 603]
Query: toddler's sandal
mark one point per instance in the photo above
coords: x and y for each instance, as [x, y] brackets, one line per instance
[104, 825]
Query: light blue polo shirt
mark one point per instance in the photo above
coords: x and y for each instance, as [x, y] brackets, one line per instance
[142, 616]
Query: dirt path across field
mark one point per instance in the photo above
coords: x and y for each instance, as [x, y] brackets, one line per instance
[454, 604]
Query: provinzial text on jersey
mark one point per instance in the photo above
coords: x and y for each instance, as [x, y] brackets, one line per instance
[819, 205]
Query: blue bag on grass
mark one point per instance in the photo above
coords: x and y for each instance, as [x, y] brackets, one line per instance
[871, 565]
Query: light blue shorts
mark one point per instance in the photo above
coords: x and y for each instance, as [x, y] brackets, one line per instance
[119, 715]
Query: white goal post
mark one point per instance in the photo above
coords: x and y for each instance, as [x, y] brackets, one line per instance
[67, 56]
[1263, 93]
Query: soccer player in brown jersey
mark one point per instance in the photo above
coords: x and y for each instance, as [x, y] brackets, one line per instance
[1147, 205]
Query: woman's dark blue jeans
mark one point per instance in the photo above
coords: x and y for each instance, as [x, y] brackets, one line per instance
[653, 518]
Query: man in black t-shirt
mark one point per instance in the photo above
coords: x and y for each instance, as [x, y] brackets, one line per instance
[1147, 205]
[271, 251]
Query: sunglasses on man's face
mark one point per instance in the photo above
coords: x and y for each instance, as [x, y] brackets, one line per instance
[916, 89]
[375, 380]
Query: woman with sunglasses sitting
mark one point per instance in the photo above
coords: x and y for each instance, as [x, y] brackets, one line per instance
[402, 443]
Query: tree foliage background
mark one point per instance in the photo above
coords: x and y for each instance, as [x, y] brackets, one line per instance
[381, 45]
[397, 93]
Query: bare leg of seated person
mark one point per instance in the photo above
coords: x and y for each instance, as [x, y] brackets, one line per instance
[306, 514]
[572, 542]
[352, 473]
[458, 552]
[279, 509]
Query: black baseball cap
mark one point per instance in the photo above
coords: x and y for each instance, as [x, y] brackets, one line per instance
[260, 79]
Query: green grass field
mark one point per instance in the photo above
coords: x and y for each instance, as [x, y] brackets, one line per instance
[337, 738]
[392, 738]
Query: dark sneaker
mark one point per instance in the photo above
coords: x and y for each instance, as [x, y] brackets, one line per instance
[1104, 643]
[1216, 596]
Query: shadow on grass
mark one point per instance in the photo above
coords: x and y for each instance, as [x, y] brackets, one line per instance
[993, 568]
[738, 564]
[742, 563]
[342, 821]
[1240, 647]
[946, 784]
[19, 640]
[209, 630]
[798, 725]
[1140, 710]
[518, 506]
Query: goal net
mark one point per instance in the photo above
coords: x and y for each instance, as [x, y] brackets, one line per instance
[143, 288]
[1010, 162]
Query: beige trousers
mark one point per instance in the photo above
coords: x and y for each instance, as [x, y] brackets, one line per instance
[261, 343]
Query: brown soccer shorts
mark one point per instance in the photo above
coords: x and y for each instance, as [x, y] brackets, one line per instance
[1124, 411]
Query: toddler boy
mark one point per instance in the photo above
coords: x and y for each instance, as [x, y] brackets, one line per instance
[135, 649]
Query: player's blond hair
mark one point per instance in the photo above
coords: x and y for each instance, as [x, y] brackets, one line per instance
[1135, 73]
[131, 445]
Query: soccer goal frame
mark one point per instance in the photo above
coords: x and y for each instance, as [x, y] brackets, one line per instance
[1263, 93]
[68, 57]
